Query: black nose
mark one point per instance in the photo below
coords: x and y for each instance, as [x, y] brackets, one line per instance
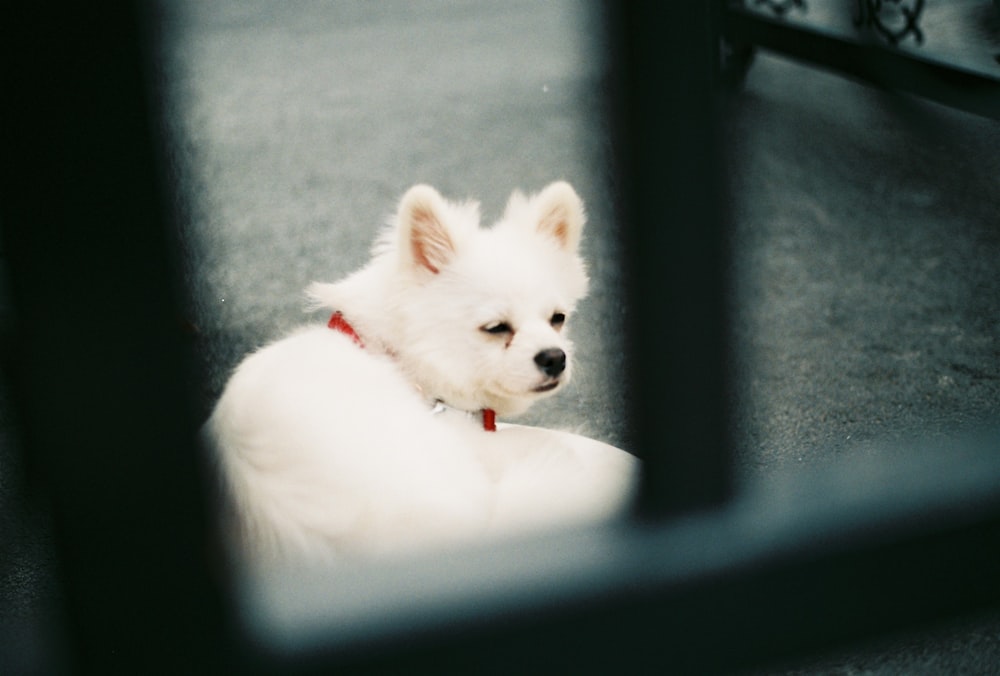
[552, 362]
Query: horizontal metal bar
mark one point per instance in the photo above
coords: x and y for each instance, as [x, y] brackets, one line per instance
[795, 564]
[875, 63]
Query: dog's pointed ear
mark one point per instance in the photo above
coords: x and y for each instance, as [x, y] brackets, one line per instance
[560, 214]
[425, 239]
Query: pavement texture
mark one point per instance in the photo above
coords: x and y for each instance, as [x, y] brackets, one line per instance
[866, 232]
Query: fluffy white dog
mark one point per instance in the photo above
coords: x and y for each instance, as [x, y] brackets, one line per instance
[355, 437]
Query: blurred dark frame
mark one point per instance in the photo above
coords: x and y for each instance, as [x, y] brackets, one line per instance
[702, 579]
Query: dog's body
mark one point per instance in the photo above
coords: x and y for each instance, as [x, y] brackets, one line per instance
[326, 439]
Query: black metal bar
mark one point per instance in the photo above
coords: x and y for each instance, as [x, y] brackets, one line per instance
[875, 63]
[98, 358]
[794, 565]
[664, 58]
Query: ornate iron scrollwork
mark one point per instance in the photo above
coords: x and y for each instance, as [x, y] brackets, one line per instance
[894, 20]
[779, 7]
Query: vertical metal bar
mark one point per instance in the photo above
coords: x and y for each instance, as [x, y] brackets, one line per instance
[99, 360]
[664, 58]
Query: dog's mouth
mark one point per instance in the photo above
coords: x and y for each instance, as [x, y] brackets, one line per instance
[547, 387]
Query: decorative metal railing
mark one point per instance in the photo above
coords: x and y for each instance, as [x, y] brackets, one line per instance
[894, 20]
[781, 6]
[886, 25]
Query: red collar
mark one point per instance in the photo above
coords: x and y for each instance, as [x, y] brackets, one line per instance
[489, 420]
[338, 323]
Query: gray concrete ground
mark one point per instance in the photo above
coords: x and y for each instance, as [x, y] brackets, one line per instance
[866, 227]
[867, 239]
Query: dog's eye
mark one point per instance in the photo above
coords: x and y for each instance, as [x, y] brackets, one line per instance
[558, 319]
[497, 328]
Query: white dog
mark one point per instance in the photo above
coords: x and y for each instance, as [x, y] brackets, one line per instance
[354, 438]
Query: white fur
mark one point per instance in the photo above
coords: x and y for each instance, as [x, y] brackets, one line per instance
[329, 450]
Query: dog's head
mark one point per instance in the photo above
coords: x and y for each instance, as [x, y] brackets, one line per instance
[482, 312]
